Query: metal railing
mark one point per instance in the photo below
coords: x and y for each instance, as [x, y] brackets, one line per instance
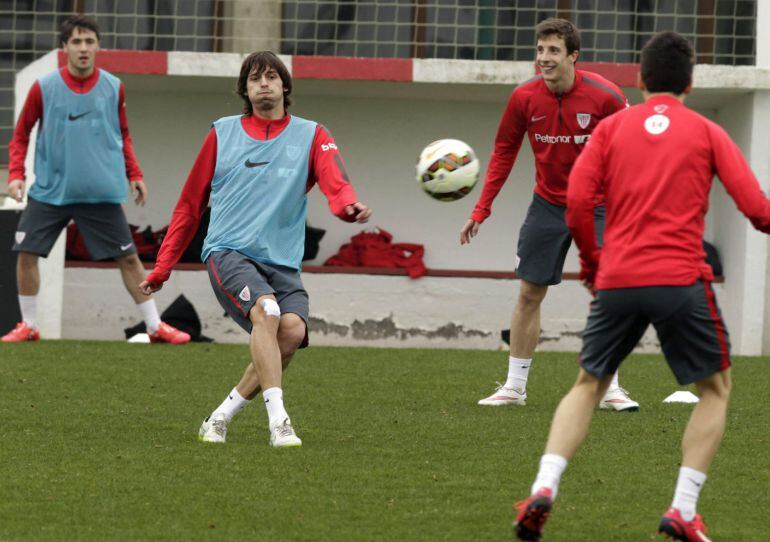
[723, 31]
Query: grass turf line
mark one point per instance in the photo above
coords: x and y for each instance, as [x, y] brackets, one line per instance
[99, 443]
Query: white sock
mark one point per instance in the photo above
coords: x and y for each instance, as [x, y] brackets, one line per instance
[232, 405]
[150, 315]
[518, 369]
[276, 413]
[614, 384]
[551, 468]
[28, 306]
[688, 488]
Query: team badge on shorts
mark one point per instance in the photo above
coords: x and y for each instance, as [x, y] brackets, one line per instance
[584, 119]
[20, 235]
[245, 293]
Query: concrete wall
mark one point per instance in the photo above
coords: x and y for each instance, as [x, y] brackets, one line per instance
[381, 128]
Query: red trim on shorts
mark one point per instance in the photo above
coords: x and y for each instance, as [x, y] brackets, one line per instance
[227, 293]
[718, 325]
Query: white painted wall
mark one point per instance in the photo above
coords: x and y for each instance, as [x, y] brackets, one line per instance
[347, 309]
[380, 128]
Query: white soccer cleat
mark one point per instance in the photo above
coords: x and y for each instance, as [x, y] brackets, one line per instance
[617, 399]
[505, 396]
[283, 436]
[213, 429]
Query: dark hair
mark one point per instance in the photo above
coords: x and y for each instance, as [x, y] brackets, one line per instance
[258, 63]
[667, 63]
[77, 21]
[561, 28]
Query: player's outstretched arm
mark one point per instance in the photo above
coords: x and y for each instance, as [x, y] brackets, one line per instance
[469, 231]
[16, 189]
[358, 212]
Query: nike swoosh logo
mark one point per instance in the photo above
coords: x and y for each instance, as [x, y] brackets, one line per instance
[535, 119]
[230, 397]
[694, 482]
[249, 163]
[126, 247]
[76, 117]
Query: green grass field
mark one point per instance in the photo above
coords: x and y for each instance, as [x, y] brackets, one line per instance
[99, 443]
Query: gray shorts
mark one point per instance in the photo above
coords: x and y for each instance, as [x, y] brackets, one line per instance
[103, 226]
[688, 322]
[544, 240]
[239, 281]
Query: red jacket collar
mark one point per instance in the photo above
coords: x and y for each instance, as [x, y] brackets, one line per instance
[664, 99]
[260, 128]
[79, 84]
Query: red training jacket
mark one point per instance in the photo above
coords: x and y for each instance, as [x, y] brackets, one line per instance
[325, 168]
[655, 163]
[33, 111]
[558, 127]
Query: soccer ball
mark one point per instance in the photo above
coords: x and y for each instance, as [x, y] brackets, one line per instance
[447, 169]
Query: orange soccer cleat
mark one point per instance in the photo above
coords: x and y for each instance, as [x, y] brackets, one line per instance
[22, 332]
[169, 334]
[533, 513]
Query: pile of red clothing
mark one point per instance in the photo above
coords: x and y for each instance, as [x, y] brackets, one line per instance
[374, 248]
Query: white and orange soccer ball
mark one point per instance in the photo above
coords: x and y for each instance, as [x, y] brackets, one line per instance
[447, 169]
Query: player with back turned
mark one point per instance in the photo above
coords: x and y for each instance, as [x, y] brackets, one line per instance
[558, 110]
[655, 164]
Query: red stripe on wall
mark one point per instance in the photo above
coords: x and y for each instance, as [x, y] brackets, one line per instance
[119, 61]
[623, 75]
[354, 69]
[718, 325]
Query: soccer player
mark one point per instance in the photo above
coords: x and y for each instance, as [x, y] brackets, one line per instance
[257, 168]
[654, 163]
[558, 110]
[84, 166]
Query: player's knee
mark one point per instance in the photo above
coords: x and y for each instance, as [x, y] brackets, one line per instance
[531, 296]
[128, 261]
[290, 335]
[717, 386]
[27, 259]
[265, 310]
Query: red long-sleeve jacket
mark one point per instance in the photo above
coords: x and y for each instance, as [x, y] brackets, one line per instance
[326, 168]
[558, 127]
[33, 112]
[655, 163]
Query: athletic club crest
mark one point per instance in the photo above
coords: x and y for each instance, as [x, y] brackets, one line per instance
[245, 294]
[584, 119]
[20, 235]
[292, 151]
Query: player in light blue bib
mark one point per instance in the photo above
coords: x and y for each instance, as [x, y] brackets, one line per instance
[257, 168]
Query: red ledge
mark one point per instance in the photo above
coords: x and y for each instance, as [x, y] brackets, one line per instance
[337, 270]
[351, 69]
[623, 75]
[124, 61]
[328, 269]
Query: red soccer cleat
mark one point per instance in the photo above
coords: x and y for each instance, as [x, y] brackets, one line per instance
[169, 334]
[674, 526]
[22, 332]
[533, 513]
